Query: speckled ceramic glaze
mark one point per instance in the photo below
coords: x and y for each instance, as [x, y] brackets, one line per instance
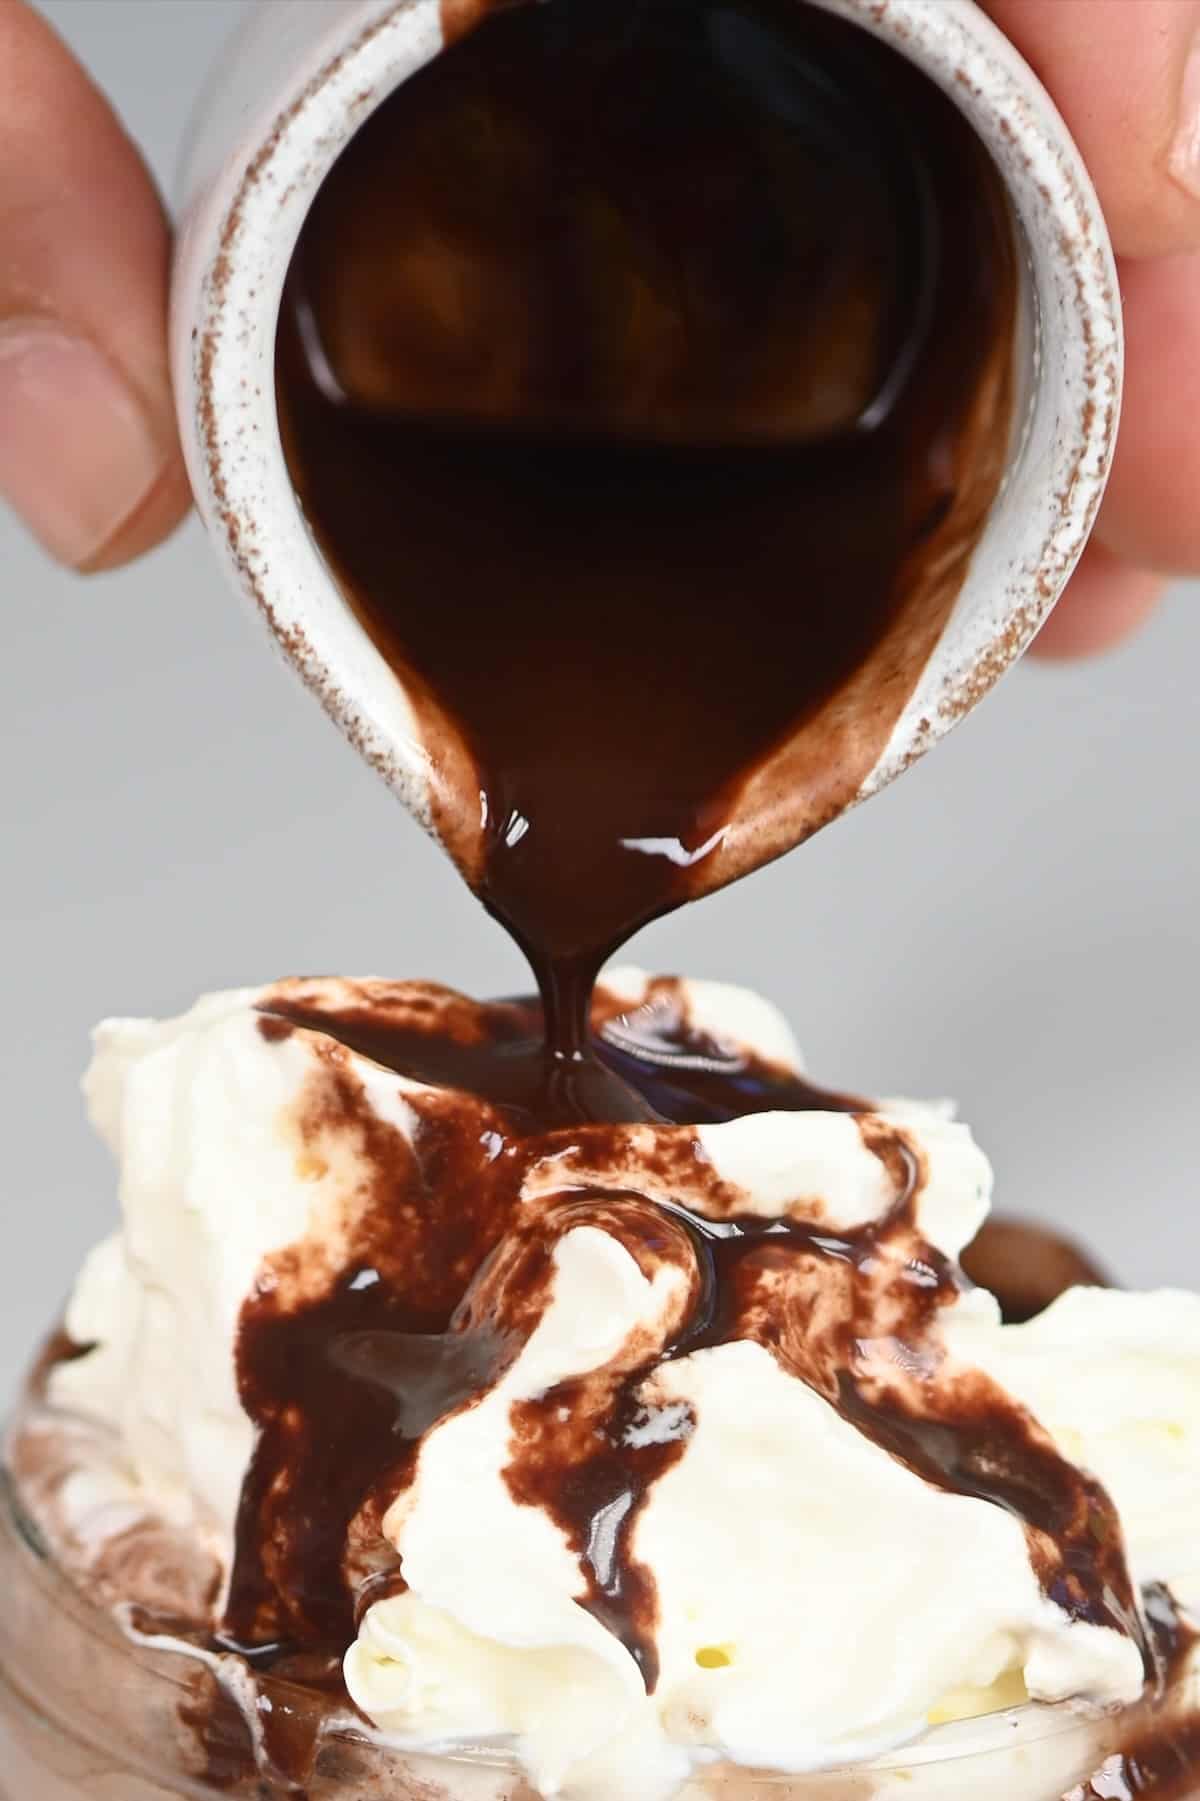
[298, 81]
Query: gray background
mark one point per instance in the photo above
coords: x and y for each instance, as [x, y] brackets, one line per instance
[1016, 923]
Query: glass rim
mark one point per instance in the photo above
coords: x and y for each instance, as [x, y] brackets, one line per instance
[1015, 1728]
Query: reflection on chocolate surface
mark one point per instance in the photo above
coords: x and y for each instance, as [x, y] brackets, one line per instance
[1162, 1758]
[454, 1271]
[644, 376]
[644, 373]
[444, 1268]
[669, 1071]
[1163, 1763]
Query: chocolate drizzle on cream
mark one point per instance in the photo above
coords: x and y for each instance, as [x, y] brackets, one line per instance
[440, 1266]
[645, 375]
[448, 1267]
[1162, 1757]
[644, 372]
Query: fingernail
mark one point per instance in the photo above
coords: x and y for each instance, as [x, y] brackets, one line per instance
[1185, 150]
[77, 453]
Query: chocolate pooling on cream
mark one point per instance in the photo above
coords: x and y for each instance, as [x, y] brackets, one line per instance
[389, 1351]
[679, 1073]
[644, 372]
[455, 1269]
[417, 1300]
[1162, 1757]
[645, 375]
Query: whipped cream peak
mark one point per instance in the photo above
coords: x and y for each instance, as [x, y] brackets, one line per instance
[630, 1447]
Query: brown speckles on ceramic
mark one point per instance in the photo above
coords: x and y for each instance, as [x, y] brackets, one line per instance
[273, 126]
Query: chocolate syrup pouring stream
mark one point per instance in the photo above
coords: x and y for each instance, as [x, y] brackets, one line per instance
[644, 373]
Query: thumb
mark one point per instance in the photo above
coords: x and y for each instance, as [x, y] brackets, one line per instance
[88, 450]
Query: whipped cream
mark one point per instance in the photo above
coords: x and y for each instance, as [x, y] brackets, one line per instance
[720, 1353]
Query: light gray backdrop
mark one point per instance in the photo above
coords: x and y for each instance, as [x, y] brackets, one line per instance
[1016, 923]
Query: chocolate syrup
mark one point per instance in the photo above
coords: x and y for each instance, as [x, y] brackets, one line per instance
[678, 1072]
[343, 1374]
[1161, 1758]
[1163, 1762]
[644, 372]
[444, 1268]
[340, 1382]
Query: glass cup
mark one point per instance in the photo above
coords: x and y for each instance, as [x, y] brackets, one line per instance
[90, 1713]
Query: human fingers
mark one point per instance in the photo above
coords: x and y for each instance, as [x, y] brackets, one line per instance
[1104, 602]
[1126, 76]
[88, 450]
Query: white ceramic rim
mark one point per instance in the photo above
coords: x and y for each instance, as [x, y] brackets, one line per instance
[256, 163]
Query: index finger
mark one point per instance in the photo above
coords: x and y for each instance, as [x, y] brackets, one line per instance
[1126, 76]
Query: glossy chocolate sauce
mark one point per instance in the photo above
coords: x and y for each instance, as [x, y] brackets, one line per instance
[645, 375]
[680, 1073]
[1164, 1763]
[339, 1384]
[644, 372]
[444, 1269]
[447, 1270]
[1161, 1758]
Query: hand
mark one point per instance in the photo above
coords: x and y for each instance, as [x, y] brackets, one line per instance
[1126, 77]
[88, 452]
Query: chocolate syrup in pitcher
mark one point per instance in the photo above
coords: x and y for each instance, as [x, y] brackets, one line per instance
[645, 376]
